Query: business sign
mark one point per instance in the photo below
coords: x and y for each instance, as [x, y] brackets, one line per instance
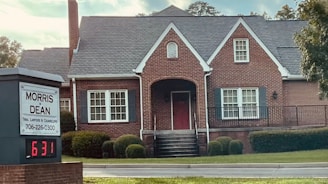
[39, 110]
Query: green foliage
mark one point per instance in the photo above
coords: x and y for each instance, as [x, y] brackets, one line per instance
[135, 151]
[214, 148]
[108, 149]
[236, 147]
[313, 42]
[286, 13]
[123, 142]
[88, 143]
[10, 52]
[67, 122]
[224, 140]
[292, 140]
[200, 8]
[67, 142]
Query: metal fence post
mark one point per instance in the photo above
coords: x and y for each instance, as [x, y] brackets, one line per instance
[326, 115]
[296, 115]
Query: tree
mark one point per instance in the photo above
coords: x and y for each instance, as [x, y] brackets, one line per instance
[200, 8]
[264, 15]
[313, 42]
[286, 13]
[10, 52]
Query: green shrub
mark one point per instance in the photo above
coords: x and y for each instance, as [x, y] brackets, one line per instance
[135, 151]
[108, 149]
[289, 140]
[224, 140]
[122, 142]
[88, 144]
[214, 148]
[67, 142]
[67, 122]
[235, 147]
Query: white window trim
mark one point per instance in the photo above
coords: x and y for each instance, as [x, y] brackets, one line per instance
[69, 103]
[107, 104]
[247, 50]
[240, 103]
[176, 50]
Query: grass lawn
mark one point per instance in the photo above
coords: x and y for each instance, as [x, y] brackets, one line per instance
[204, 180]
[286, 157]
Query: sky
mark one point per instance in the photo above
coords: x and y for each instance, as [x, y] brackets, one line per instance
[38, 24]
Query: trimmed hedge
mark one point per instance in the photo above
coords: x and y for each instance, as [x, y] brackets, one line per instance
[224, 140]
[67, 122]
[67, 142]
[108, 149]
[135, 151]
[235, 147]
[122, 142]
[214, 148]
[88, 144]
[289, 140]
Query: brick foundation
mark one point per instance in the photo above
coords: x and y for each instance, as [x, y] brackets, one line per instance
[54, 173]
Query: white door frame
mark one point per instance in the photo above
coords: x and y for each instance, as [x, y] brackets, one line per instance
[189, 101]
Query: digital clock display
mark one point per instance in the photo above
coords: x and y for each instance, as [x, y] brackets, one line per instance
[40, 148]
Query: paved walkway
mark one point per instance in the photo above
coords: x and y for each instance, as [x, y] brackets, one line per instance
[238, 165]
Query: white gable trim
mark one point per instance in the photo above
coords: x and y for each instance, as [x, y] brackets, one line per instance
[283, 71]
[142, 64]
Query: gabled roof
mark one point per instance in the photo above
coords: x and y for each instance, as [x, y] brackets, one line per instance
[117, 45]
[171, 11]
[49, 60]
[171, 26]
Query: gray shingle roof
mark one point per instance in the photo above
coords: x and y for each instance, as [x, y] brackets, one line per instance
[116, 45]
[172, 11]
[49, 60]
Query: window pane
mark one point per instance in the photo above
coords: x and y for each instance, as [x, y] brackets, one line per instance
[97, 106]
[118, 105]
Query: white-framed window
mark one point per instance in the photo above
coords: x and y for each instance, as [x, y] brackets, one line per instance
[241, 50]
[242, 103]
[108, 106]
[172, 50]
[65, 104]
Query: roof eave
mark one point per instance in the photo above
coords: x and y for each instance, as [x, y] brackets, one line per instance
[102, 76]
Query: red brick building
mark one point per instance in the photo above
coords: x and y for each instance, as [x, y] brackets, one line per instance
[171, 72]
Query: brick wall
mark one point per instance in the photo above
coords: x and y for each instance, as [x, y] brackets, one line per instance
[302, 93]
[113, 129]
[54, 173]
[159, 68]
[65, 92]
[261, 71]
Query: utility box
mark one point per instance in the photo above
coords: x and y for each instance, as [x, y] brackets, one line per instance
[29, 117]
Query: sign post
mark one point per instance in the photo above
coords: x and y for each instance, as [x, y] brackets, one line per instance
[30, 117]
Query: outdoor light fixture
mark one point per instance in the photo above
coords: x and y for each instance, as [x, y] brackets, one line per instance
[274, 95]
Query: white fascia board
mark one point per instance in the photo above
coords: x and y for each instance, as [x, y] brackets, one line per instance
[102, 76]
[142, 64]
[294, 77]
[283, 71]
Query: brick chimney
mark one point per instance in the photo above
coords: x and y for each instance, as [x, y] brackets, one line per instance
[73, 26]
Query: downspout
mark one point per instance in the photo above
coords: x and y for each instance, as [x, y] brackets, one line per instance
[206, 108]
[141, 108]
[74, 103]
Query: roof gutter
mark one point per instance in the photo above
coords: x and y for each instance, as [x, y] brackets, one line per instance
[102, 76]
[293, 77]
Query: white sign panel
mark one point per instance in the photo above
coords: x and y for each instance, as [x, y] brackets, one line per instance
[39, 110]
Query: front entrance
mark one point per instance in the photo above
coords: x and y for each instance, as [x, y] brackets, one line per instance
[181, 110]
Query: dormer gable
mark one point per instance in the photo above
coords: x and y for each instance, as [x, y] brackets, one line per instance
[171, 26]
[241, 22]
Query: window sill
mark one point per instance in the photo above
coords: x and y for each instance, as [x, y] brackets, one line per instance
[106, 122]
